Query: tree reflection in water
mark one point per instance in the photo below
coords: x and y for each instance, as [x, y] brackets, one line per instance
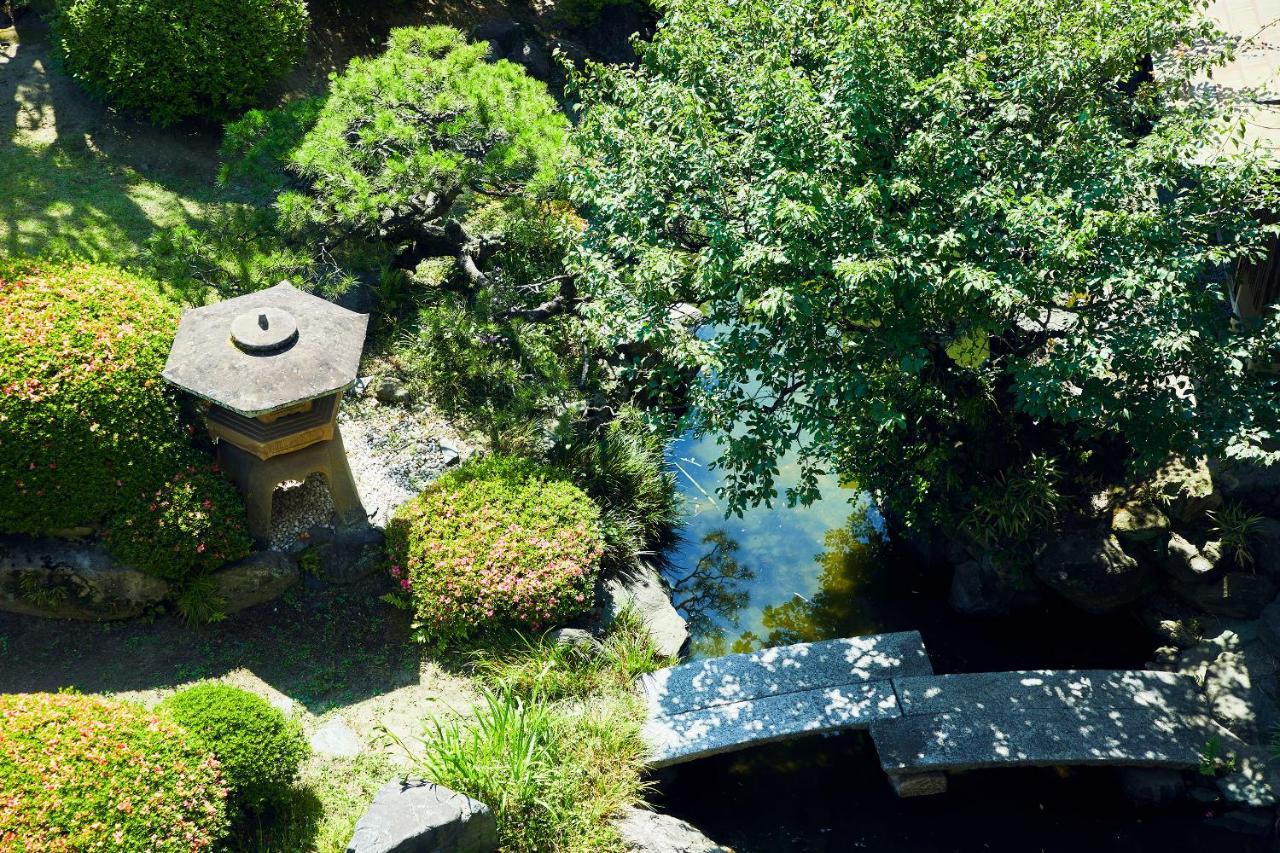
[713, 594]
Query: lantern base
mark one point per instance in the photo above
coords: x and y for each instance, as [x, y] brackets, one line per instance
[257, 480]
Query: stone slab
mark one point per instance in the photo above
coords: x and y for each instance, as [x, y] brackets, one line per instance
[785, 669]
[994, 692]
[726, 727]
[422, 817]
[1031, 737]
[336, 738]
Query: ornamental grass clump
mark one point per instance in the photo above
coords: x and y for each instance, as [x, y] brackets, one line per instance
[90, 436]
[500, 543]
[83, 773]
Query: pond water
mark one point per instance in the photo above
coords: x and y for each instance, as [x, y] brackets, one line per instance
[780, 575]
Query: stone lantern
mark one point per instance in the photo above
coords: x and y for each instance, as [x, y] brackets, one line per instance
[271, 368]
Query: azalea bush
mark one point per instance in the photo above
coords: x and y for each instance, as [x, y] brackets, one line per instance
[172, 59]
[496, 543]
[259, 749]
[85, 773]
[90, 435]
[189, 525]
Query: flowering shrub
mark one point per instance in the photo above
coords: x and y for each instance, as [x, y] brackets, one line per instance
[82, 773]
[89, 433]
[501, 542]
[258, 747]
[191, 524]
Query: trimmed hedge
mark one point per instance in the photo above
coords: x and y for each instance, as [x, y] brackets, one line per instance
[259, 748]
[497, 543]
[83, 773]
[173, 59]
[90, 434]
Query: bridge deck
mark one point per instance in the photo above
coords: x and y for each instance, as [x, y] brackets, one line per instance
[732, 702]
[968, 721]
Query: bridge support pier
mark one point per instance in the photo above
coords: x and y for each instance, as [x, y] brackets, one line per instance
[918, 784]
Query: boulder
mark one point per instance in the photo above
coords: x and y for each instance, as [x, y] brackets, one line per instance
[1170, 619]
[642, 592]
[980, 587]
[1188, 490]
[1149, 786]
[259, 577]
[1257, 822]
[1264, 545]
[336, 738]
[388, 389]
[576, 638]
[72, 580]
[1269, 627]
[349, 554]
[649, 832]
[1253, 782]
[1139, 521]
[422, 817]
[534, 57]
[1092, 571]
[1185, 562]
[1237, 595]
[1249, 483]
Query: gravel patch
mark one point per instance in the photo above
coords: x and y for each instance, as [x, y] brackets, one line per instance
[394, 454]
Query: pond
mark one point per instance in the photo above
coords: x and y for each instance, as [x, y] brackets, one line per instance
[781, 575]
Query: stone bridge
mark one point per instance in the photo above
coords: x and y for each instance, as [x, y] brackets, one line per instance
[924, 725]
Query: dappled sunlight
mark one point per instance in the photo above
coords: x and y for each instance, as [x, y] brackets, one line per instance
[924, 724]
[714, 705]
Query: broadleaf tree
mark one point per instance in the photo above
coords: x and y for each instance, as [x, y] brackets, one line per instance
[941, 243]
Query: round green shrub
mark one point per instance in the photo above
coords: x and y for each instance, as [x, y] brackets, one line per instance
[90, 435]
[259, 748]
[86, 773]
[500, 542]
[172, 59]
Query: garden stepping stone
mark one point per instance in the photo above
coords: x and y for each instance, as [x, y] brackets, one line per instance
[337, 739]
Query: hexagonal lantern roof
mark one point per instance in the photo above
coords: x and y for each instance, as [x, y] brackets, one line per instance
[264, 351]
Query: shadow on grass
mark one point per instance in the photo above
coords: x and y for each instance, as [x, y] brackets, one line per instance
[326, 648]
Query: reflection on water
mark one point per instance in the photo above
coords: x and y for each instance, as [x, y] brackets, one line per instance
[777, 574]
[784, 575]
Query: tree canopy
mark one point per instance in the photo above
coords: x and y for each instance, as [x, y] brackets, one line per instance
[936, 240]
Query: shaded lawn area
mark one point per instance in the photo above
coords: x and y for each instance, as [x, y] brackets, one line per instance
[330, 649]
[325, 648]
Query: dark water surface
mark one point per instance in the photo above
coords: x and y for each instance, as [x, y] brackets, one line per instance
[825, 571]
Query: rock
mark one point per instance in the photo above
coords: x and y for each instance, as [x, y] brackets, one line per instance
[388, 389]
[1092, 571]
[1238, 595]
[1229, 688]
[336, 738]
[1170, 619]
[1185, 562]
[1206, 796]
[1139, 521]
[1269, 627]
[422, 817]
[1150, 786]
[1264, 545]
[1253, 782]
[1247, 482]
[649, 832]
[979, 587]
[576, 638]
[354, 552]
[1238, 679]
[1188, 491]
[534, 57]
[1260, 822]
[643, 593]
[259, 577]
[502, 34]
[72, 580]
